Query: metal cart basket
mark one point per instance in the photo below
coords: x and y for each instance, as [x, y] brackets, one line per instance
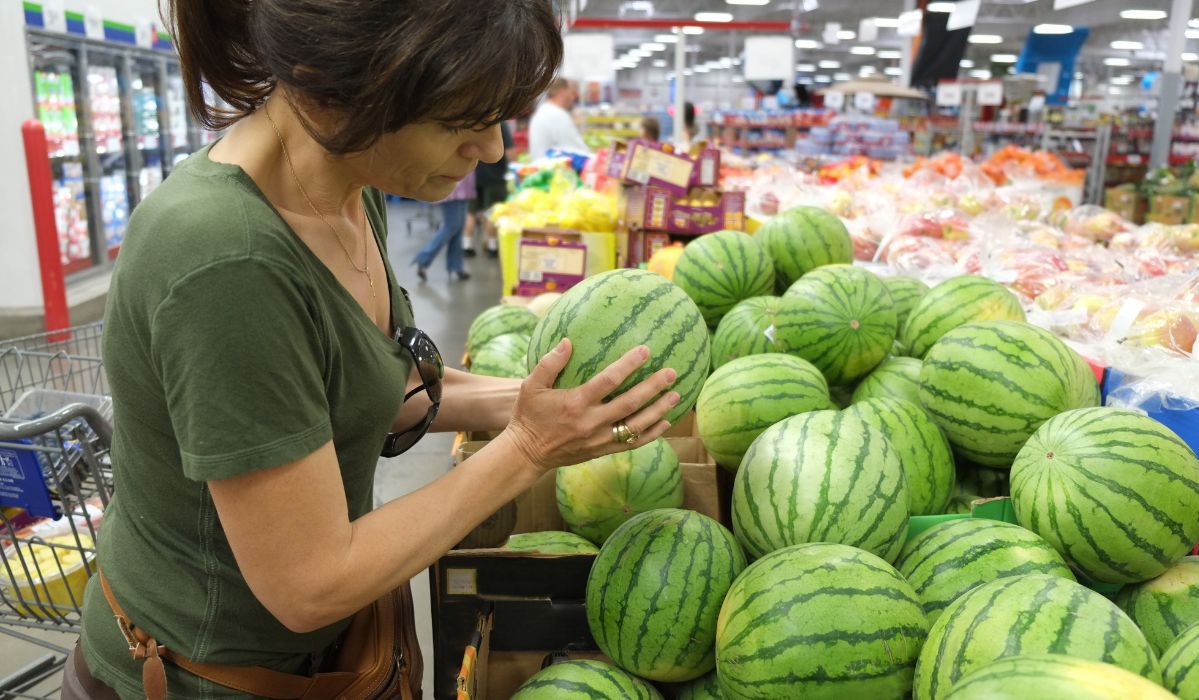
[55, 483]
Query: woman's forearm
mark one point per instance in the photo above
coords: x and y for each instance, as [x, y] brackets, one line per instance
[469, 402]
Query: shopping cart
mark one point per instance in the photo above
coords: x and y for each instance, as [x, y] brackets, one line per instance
[55, 483]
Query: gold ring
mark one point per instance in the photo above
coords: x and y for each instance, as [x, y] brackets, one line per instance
[623, 434]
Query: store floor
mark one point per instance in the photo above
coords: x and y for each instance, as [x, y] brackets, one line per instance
[444, 310]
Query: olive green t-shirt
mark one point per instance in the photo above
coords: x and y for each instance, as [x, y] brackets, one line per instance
[229, 348]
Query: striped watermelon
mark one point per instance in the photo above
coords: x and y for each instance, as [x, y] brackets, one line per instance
[1031, 614]
[906, 293]
[551, 542]
[990, 385]
[824, 476]
[702, 688]
[802, 239]
[502, 356]
[895, 378]
[839, 318]
[746, 330]
[1180, 664]
[584, 680]
[609, 314]
[1113, 490]
[953, 557]
[655, 590]
[721, 269]
[819, 621]
[1164, 606]
[497, 321]
[595, 497]
[956, 301]
[922, 449]
[750, 394]
[1054, 677]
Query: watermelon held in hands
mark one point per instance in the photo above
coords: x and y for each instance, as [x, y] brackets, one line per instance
[954, 302]
[819, 621]
[502, 356]
[990, 385]
[953, 557]
[1115, 492]
[839, 318]
[1054, 677]
[1180, 664]
[1164, 606]
[721, 269]
[802, 239]
[595, 497]
[922, 449]
[1032, 614]
[750, 394]
[749, 329]
[584, 680]
[824, 476]
[895, 378]
[906, 293]
[609, 314]
[550, 542]
[655, 591]
[496, 321]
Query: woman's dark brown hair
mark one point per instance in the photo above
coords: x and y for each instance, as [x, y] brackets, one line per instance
[383, 65]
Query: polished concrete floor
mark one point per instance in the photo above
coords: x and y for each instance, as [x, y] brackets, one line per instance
[444, 309]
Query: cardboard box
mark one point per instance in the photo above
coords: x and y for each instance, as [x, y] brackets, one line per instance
[651, 164]
[535, 601]
[728, 213]
[698, 211]
[707, 167]
[1127, 203]
[1169, 209]
[550, 261]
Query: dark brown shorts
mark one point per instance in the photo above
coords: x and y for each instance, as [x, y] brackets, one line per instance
[77, 681]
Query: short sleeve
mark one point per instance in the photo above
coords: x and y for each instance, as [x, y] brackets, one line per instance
[241, 357]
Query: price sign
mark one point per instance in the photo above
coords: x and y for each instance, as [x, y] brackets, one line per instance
[54, 16]
[864, 101]
[93, 23]
[949, 95]
[834, 100]
[990, 94]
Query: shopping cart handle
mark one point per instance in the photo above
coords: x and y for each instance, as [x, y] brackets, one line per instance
[53, 421]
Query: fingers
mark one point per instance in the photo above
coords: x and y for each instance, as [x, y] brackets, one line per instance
[607, 381]
[636, 398]
[649, 417]
[547, 370]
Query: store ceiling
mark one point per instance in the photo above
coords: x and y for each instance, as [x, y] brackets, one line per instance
[1009, 19]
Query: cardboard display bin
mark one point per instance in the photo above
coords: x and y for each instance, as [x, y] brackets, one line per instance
[535, 602]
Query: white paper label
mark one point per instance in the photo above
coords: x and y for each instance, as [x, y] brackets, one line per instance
[990, 94]
[1124, 320]
[93, 23]
[769, 332]
[864, 101]
[830, 33]
[54, 16]
[461, 582]
[143, 33]
[949, 95]
[910, 23]
[963, 15]
[834, 100]
[769, 58]
[867, 31]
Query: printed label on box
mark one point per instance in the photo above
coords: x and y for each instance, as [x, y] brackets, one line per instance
[461, 582]
[22, 484]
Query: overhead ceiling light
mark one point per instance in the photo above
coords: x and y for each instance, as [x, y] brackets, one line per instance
[1191, 57]
[1144, 14]
[1193, 23]
[639, 53]
[688, 73]
[1003, 58]
[1053, 29]
[1117, 62]
[805, 81]
[830, 65]
[1123, 45]
[1114, 91]
[659, 63]
[890, 54]
[940, 7]
[981, 74]
[823, 79]
[670, 76]
[847, 35]
[690, 31]
[1193, 33]
[966, 63]
[1122, 80]
[713, 17]
[726, 62]
[862, 51]
[738, 79]
[985, 39]
[806, 68]
[886, 22]
[666, 39]
[808, 44]
[893, 70]
[736, 61]
[653, 46]
[702, 69]
[839, 77]
[748, 2]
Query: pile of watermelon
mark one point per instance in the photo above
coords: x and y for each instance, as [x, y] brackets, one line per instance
[863, 420]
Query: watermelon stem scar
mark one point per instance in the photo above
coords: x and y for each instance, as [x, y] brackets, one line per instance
[1049, 455]
[855, 324]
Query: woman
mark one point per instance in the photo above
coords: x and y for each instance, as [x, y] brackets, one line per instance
[249, 339]
[449, 234]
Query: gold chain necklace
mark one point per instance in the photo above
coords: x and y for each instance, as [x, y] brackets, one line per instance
[365, 269]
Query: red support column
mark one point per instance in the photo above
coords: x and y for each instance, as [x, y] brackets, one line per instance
[54, 287]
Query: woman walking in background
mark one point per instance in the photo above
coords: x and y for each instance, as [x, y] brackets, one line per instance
[449, 235]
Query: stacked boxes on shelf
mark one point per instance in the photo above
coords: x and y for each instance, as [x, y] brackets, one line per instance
[881, 139]
[669, 194]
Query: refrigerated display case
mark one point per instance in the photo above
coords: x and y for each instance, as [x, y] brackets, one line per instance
[147, 127]
[108, 126]
[180, 143]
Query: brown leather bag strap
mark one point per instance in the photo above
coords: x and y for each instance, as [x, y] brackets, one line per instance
[254, 680]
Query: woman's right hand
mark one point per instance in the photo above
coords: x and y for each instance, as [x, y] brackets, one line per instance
[560, 427]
